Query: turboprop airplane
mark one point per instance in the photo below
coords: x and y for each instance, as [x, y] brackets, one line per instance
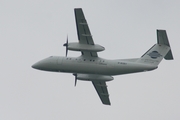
[90, 67]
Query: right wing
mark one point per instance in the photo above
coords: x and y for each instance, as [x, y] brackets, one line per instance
[102, 91]
[83, 32]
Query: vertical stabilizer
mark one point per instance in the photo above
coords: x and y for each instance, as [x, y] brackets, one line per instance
[159, 51]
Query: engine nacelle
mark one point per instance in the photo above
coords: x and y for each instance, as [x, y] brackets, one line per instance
[84, 47]
[92, 77]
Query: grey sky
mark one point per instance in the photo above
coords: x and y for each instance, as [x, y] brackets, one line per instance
[33, 30]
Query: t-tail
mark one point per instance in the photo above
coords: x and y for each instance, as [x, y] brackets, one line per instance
[158, 51]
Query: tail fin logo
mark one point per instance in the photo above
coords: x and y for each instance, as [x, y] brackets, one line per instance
[154, 54]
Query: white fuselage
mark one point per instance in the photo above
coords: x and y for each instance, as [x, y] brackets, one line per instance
[97, 65]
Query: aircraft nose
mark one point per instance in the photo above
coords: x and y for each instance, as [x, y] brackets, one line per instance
[37, 65]
[47, 64]
[41, 65]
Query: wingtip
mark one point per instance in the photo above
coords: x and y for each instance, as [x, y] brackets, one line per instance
[107, 104]
[161, 30]
[77, 8]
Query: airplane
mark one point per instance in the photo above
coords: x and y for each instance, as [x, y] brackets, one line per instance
[90, 67]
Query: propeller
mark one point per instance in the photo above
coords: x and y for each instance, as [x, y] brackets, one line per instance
[66, 45]
[75, 79]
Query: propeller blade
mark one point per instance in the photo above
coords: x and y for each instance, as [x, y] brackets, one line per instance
[75, 79]
[66, 51]
[66, 45]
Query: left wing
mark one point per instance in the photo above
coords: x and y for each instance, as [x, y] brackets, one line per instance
[102, 91]
[83, 32]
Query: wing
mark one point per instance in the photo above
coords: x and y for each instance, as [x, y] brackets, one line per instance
[102, 91]
[83, 32]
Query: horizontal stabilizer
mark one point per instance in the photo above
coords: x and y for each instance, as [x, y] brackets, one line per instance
[163, 40]
[169, 56]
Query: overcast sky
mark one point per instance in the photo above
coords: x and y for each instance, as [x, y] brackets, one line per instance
[31, 30]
